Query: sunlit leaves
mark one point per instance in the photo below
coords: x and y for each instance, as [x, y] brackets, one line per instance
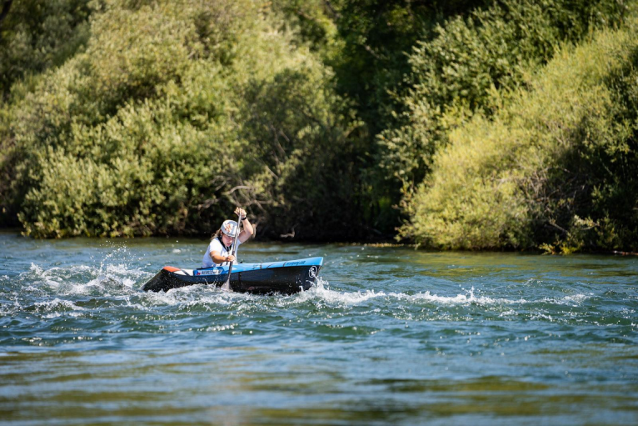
[556, 166]
[174, 113]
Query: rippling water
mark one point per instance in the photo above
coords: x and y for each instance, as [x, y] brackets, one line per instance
[389, 335]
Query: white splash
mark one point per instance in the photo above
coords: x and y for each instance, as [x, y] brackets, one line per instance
[321, 292]
[44, 275]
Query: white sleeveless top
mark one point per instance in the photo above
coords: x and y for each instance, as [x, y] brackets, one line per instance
[216, 245]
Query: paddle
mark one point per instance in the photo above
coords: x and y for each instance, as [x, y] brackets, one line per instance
[233, 251]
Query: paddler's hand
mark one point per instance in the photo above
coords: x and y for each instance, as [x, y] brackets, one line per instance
[230, 258]
[240, 212]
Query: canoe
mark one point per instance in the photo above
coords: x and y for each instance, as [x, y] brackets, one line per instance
[286, 277]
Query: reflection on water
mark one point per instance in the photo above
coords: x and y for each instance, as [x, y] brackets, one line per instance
[389, 335]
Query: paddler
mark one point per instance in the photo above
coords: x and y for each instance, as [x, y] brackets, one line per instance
[221, 243]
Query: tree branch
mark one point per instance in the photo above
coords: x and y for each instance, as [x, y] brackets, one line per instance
[6, 5]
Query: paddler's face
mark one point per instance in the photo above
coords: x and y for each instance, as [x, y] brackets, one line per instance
[226, 239]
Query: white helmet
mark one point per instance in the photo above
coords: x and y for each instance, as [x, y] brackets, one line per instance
[229, 227]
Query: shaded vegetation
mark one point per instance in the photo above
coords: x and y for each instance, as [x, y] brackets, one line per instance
[36, 35]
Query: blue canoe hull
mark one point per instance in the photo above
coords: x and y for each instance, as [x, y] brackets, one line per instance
[257, 278]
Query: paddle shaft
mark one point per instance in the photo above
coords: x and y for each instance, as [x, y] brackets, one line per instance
[233, 251]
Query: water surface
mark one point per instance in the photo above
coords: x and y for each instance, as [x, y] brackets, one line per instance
[389, 335]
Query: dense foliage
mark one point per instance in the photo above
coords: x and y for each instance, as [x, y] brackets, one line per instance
[172, 114]
[555, 167]
[37, 35]
[454, 72]
[326, 119]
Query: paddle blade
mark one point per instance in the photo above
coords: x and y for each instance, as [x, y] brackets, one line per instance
[226, 285]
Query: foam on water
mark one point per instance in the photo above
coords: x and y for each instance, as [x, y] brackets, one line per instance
[84, 279]
[44, 276]
[111, 288]
[122, 282]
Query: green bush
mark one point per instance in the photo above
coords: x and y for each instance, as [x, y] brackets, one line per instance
[468, 58]
[555, 166]
[173, 114]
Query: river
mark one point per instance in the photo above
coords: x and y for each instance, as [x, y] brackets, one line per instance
[390, 335]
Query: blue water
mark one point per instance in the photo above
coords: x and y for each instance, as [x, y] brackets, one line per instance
[390, 335]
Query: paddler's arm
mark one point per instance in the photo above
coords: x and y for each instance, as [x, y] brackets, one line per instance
[218, 258]
[248, 230]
